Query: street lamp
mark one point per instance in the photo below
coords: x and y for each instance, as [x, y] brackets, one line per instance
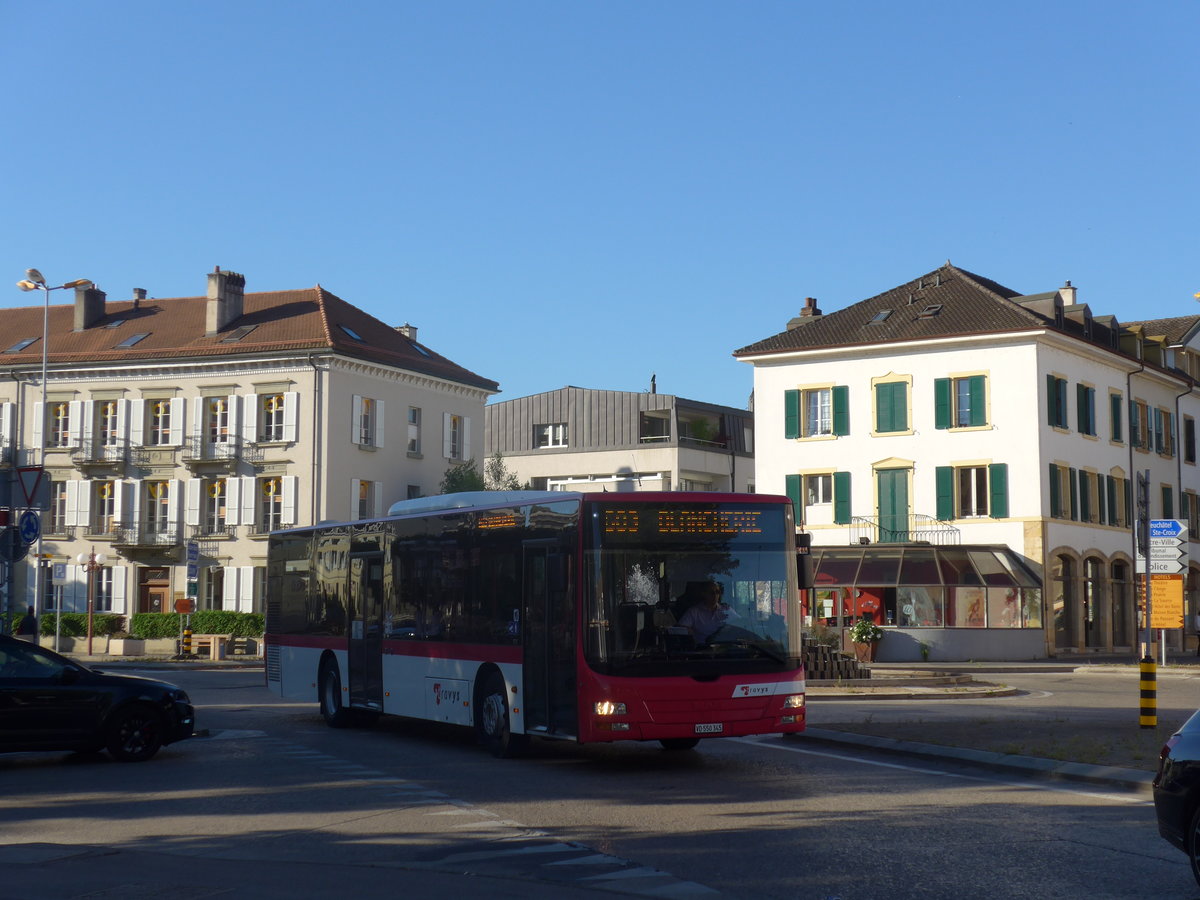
[33, 281]
[92, 562]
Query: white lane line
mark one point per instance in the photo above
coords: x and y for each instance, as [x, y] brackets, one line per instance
[921, 770]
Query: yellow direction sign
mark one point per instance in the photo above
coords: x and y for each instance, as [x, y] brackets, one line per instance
[1166, 601]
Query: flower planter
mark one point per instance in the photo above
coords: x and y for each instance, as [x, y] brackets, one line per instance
[866, 652]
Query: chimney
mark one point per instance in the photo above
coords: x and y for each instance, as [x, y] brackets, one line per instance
[409, 331]
[809, 313]
[1067, 292]
[139, 294]
[226, 292]
[89, 306]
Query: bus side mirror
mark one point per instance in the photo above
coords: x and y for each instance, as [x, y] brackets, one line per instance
[804, 571]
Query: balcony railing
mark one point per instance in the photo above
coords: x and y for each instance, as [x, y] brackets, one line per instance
[211, 532]
[198, 450]
[100, 453]
[915, 528]
[147, 536]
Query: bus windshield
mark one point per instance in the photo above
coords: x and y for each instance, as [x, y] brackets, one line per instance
[690, 590]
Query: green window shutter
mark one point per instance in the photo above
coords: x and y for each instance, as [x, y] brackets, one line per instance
[978, 388]
[1081, 422]
[883, 407]
[1128, 500]
[1051, 400]
[1113, 518]
[841, 498]
[1133, 424]
[1158, 431]
[1055, 492]
[945, 492]
[1115, 403]
[1168, 503]
[1073, 484]
[1100, 497]
[1185, 506]
[941, 404]
[900, 405]
[791, 414]
[841, 410]
[1085, 497]
[793, 483]
[998, 490]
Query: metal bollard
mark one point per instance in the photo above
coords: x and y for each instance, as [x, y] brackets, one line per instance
[1149, 691]
[186, 648]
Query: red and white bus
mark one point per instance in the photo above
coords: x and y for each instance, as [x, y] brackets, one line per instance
[541, 613]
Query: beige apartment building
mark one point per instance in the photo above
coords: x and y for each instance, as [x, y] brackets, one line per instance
[211, 421]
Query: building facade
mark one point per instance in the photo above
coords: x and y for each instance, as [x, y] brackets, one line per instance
[575, 439]
[213, 420]
[965, 458]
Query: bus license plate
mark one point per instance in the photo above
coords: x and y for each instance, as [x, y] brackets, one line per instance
[710, 728]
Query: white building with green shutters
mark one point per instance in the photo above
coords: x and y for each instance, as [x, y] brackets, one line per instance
[964, 457]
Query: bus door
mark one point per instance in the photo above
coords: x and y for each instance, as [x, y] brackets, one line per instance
[549, 640]
[365, 656]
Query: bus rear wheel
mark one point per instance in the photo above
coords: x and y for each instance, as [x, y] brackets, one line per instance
[493, 723]
[330, 693]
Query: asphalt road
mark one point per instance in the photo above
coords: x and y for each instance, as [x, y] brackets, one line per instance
[275, 804]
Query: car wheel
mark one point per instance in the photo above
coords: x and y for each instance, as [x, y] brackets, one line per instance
[1193, 844]
[135, 734]
[330, 691]
[679, 743]
[492, 721]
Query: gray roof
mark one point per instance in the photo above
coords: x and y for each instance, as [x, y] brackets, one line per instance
[945, 302]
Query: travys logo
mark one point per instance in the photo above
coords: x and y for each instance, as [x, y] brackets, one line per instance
[755, 690]
[450, 695]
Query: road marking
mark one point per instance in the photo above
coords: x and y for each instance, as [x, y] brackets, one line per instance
[920, 770]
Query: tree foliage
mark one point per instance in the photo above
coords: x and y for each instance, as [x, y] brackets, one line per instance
[467, 477]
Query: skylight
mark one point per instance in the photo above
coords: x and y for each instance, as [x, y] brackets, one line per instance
[20, 345]
[932, 310]
[115, 323]
[881, 316]
[352, 333]
[237, 334]
[131, 340]
[420, 349]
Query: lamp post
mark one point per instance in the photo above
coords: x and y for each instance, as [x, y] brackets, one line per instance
[92, 562]
[33, 281]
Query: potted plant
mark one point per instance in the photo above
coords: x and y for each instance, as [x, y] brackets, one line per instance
[865, 635]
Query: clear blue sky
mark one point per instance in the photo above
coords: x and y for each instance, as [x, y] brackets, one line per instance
[588, 193]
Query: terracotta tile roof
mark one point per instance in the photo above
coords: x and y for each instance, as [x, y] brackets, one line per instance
[945, 302]
[1176, 330]
[283, 321]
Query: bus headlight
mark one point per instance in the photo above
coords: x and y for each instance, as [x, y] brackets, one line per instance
[793, 701]
[609, 708]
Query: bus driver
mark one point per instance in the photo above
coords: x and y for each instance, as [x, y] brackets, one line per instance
[704, 617]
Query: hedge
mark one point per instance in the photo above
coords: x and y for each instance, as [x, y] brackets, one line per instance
[75, 624]
[205, 621]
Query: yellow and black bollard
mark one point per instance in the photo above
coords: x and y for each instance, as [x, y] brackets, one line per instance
[1149, 685]
[186, 648]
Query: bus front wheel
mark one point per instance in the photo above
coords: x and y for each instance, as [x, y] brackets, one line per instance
[330, 692]
[492, 721]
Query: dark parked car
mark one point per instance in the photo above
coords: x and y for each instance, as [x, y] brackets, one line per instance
[49, 702]
[1177, 791]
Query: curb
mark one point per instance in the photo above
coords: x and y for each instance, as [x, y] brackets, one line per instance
[1133, 780]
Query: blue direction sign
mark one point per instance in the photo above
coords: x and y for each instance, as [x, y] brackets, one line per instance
[29, 526]
[1166, 528]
